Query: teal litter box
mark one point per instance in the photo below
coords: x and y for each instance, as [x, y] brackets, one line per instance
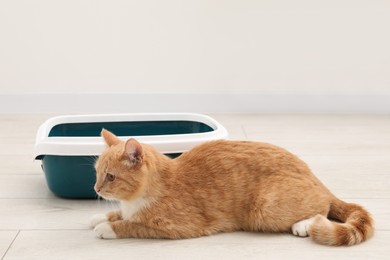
[69, 145]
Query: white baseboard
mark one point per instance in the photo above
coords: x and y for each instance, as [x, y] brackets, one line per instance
[198, 103]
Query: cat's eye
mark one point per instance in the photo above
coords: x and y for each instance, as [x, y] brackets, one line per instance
[110, 177]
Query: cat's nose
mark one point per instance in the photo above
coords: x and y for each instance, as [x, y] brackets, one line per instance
[96, 188]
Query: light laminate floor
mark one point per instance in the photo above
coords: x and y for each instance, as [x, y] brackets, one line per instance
[349, 153]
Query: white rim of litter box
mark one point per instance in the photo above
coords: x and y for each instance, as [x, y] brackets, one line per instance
[92, 146]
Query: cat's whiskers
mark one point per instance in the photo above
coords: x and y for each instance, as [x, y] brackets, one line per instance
[90, 160]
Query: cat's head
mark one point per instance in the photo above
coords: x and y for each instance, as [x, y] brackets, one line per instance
[120, 171]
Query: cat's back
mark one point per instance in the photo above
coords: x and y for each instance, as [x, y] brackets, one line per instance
[230, 170]
[223, 146]
[245, 156]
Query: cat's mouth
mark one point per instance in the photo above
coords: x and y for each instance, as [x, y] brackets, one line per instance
[101, 192]
[106, 195]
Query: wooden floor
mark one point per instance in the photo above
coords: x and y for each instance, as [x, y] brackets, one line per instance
[349, 153]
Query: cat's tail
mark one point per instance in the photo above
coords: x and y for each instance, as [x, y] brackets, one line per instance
[356, 225]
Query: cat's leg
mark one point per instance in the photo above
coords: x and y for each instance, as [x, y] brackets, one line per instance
[127, 229]
[302, 227]
[102, 218]
[97, 219]
[104, 230]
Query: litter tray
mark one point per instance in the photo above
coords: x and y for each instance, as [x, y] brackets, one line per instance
[69, 145]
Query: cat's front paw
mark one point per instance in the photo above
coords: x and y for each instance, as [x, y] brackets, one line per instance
[97, 219]
[105, 231]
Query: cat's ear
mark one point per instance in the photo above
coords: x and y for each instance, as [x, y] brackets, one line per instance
[133, 151]
[110, 138]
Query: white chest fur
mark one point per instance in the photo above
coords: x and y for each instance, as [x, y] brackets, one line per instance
[130, 208]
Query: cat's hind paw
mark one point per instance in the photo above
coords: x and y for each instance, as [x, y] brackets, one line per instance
[105, 231]
[97, 219]
[301, 228]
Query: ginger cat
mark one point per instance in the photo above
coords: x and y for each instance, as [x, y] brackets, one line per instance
[219, 186]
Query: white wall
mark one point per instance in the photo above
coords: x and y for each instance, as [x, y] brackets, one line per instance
[81, 56]
[202, 46]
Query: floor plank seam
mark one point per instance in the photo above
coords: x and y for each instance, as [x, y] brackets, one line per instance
[9, 247]
[243, 130]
